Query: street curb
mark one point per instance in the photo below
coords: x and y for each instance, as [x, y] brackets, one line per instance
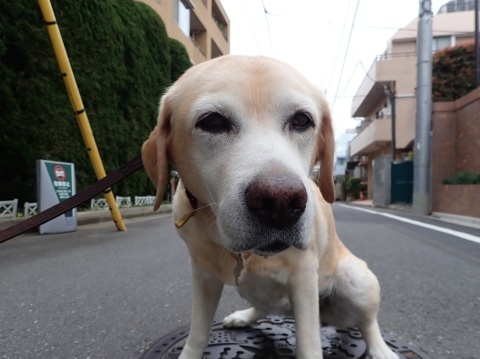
[471, 222]
[99, 216]
[456, 219]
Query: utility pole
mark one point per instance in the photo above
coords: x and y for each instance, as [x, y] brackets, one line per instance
[421, 160]
[477, 48]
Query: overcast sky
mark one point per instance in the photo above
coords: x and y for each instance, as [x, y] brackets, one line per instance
[317, 37]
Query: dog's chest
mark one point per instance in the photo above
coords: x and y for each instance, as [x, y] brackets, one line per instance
[265, 287]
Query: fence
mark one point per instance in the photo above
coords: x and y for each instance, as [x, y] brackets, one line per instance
[144, 200]
[30, 209]
[8, 209]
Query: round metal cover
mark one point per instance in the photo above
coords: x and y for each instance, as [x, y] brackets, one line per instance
[274, 338]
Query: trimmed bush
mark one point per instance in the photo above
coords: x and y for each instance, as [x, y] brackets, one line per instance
[464, 177]
[353, 187]
[121, 57]
[453, 72]
[182, 60]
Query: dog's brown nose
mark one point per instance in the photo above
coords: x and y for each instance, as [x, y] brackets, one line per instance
[276, 201]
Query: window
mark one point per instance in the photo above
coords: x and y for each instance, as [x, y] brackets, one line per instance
[181, 16]
[441, 42]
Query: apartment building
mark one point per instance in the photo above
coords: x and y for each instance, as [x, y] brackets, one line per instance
[202, 26]
[394, 73]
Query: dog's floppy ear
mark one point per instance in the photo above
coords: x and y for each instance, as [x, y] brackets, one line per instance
[325, 154]
[154, 152]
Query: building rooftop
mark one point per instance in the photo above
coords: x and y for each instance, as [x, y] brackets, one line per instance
[444, 24]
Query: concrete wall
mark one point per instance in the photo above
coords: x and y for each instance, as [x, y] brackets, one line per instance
[455, 148]
[381, 181]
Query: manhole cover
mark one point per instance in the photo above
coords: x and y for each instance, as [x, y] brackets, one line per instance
[273, 338]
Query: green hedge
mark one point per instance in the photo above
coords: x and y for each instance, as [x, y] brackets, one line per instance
[453, 72]
[463, 177]
[122, 60]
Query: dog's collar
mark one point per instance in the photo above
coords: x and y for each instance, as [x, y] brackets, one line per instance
[194, 203]
[191, 198]
[239, 257]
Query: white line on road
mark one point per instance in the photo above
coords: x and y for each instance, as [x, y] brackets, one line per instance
[468, 237]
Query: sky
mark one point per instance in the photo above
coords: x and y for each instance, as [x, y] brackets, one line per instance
[332, 42]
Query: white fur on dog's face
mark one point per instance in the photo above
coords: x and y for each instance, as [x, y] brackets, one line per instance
[254, 104]
[260, 142]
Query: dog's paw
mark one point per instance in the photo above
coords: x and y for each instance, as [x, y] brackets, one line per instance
[241, 318]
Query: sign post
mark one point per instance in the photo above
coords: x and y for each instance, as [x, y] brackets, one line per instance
[56, 183]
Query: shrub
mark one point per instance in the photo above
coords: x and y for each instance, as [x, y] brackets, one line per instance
[182, 60]
[353, 186]
[453, 72]
[464, 177]
[120, 54]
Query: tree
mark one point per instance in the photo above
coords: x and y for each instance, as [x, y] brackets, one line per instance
[120, 54]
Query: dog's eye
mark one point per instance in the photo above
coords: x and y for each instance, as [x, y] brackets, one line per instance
[300, 122]
[214, 123]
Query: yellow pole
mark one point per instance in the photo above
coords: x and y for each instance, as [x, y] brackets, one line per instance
[77, 104]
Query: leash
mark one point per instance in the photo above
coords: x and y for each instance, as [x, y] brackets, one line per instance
[102, 185]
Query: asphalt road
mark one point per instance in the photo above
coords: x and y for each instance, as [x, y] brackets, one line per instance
[99, 293]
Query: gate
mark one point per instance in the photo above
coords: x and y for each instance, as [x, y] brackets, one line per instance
[402, 182]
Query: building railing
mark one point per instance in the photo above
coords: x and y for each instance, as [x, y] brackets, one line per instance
[457, 6]
[399, 55]
[192, 38]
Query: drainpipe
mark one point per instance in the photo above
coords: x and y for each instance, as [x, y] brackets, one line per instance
[392, 97]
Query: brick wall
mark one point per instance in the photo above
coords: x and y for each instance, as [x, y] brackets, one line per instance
[456, 147]
[462, 200]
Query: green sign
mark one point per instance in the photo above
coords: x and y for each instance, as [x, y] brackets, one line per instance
[55, 184]
[61, 177]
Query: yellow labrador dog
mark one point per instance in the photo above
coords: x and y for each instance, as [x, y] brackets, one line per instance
[244, 134]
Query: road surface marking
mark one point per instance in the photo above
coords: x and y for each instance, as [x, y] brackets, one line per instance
[468, 237]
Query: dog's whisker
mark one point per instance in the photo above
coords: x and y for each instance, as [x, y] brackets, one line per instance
[199, 208]
[210, 193]
[315, 179]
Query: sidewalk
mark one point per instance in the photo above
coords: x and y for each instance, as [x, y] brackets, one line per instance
[91, 217]
[445, 217]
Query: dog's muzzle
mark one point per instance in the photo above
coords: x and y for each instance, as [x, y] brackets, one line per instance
[277, 202]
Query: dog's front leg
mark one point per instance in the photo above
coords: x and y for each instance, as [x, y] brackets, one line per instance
[303, 286]
[206, 293]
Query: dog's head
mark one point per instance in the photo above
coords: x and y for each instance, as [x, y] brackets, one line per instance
[244, 134]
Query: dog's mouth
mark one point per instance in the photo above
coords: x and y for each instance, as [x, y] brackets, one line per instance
[271, 248]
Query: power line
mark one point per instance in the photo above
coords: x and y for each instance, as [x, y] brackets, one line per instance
[268, 24]
[329, 31]
[251, 26]
[366, 72]
[338, 48]
[350, 78]
[346, 54]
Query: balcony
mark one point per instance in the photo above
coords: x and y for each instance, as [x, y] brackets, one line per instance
[373, 137]
[388, 69]
[220, 19]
